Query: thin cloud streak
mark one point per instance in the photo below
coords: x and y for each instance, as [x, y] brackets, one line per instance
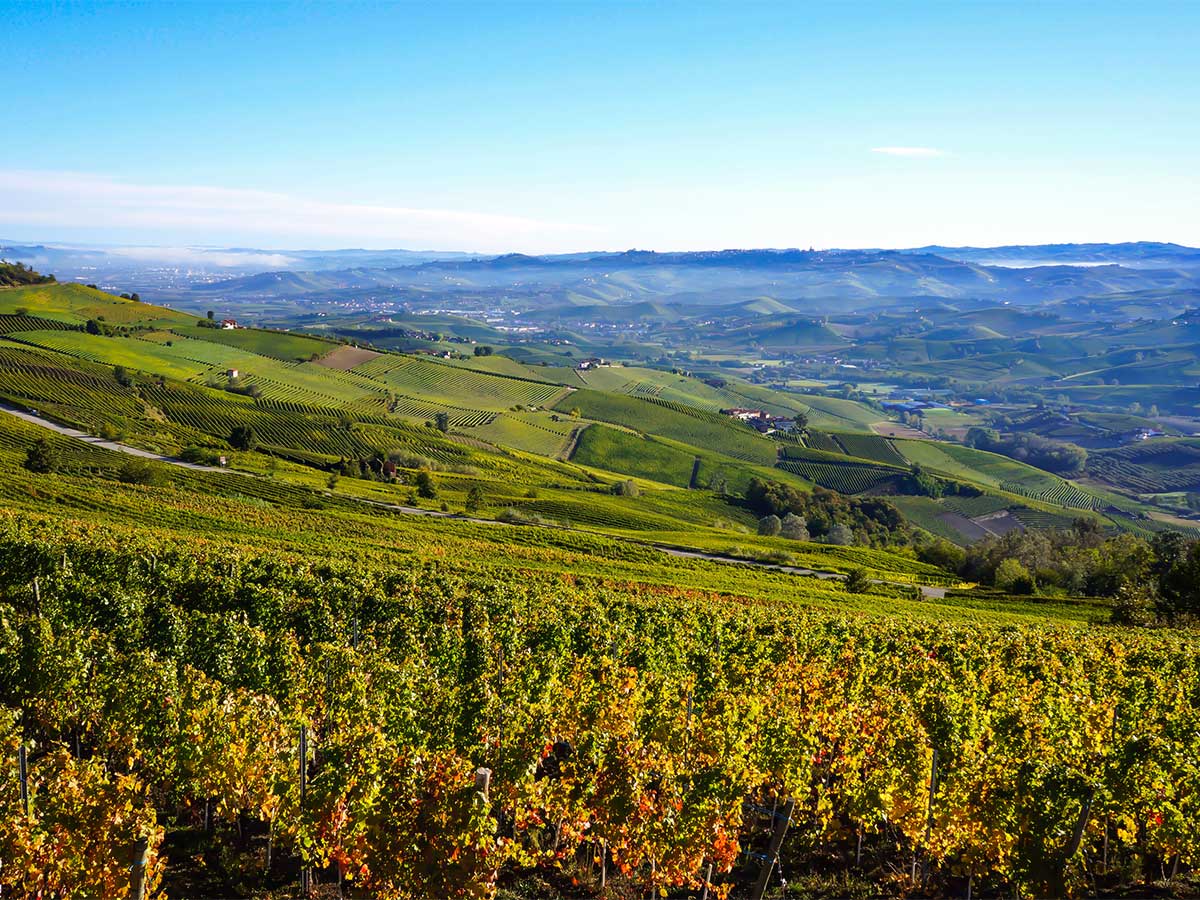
[914, 152]
[37, 198]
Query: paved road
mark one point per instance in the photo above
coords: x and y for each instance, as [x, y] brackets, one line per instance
[926, 590]
[34, 419]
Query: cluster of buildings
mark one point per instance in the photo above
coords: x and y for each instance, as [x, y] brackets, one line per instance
[760, 419]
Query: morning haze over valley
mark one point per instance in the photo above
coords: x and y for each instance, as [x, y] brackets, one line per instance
[600, 450]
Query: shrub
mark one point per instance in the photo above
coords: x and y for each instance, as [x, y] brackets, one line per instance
[111, 432]
[794, 527]
[513, 516]
[626, 488]
[139, 471]
[769, 526]
[425, 485]
[1013, 578]
[839, 534]
[201, 456]
[943, 554]
[42, 457]
[1134, 606]
[412, 461]
[242, 437]
[857, 581]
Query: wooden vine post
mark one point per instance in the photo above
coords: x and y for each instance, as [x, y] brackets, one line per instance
[23, 773]
[305, 872]
[779, 830]
[933, 774]
[137, 872]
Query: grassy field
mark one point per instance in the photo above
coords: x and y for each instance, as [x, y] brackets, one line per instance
[631, 454]
[275, 344]
[435, 380]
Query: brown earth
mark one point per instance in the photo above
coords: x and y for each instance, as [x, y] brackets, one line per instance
[346, 357]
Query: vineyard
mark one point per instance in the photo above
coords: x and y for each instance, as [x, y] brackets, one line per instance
[1152, 467]
[410, 375]
[688, 425]
[846, 478]
[1056, 491]
[872, 447]
[325, 719]
[820, 440]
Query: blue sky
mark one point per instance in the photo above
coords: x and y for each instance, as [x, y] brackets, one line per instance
[564, 126]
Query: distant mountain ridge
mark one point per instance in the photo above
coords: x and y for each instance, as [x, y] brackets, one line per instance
[1136, 254]
[806, 280]
[708, 278]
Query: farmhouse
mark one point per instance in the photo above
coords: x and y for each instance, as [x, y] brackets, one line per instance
[229, 324]
[746, 415]
[592, 362]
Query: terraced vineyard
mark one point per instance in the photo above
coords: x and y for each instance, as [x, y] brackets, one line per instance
[1152, 467]
[1056, 491]
[820, 440]
[413, 408]
[279, 427]
[11, 323]
[848, 478]
[866, 446]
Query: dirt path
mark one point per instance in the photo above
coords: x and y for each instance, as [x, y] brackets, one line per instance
[927, 591]
[572, 443]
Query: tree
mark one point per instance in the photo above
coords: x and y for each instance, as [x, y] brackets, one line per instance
[474, 499]
[425, 485]
[1134, 606]
[139, 471]
[1013, 578]
[626, 488]
[442, 421]
[770, 525]
[840, 534]
[210, 315]
[42, 457]
[1178, 566]
[794, 527]
[801, 426]
[943, 554]
[121, 374]
[92, 326]
[857, 581]
[242, 437]
[483, 350]
[135, 297]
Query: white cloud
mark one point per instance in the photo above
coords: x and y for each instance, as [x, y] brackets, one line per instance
[916, 152]
[37, 199]
[201, 256]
